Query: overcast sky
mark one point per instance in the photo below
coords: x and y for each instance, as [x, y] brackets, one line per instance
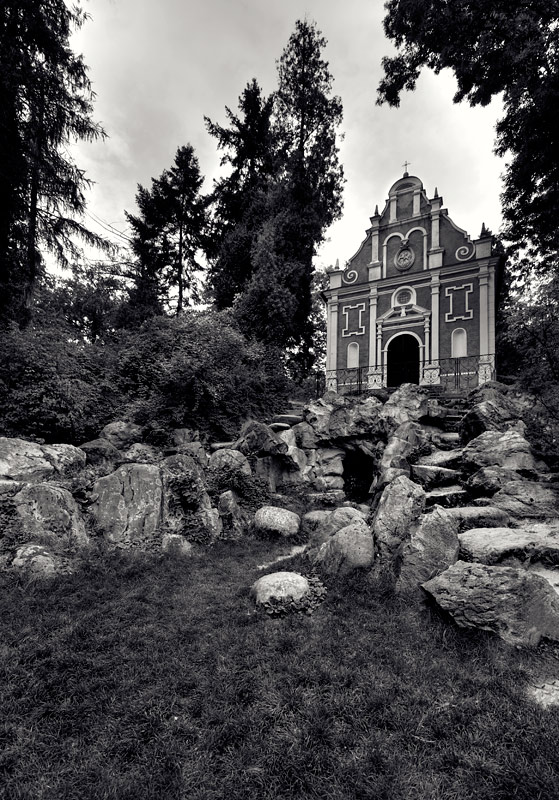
[159, 66]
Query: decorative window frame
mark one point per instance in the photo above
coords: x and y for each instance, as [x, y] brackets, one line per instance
[360, 307]
[412, 301]
[353, 347]
[452, 341]
[468, 312]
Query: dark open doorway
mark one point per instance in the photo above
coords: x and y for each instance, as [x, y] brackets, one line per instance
[403, 360]
[359, 473]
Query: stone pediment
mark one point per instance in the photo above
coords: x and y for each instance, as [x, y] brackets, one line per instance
[409, 312]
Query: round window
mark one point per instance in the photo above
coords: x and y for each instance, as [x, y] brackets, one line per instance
[403, 297]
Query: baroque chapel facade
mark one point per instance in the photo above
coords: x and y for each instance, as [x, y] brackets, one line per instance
[416, 303]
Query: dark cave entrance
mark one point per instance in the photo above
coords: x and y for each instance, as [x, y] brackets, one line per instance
[359, 473]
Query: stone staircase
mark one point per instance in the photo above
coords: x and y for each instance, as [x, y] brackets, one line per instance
[292, 415]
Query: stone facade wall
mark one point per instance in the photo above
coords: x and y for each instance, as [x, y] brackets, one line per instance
[416, 272]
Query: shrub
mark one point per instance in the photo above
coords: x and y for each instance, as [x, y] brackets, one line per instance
[198, 371]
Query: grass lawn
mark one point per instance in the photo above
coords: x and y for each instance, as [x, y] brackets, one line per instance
[146, 677]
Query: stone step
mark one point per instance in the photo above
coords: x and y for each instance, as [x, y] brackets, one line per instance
[326, 499]
[448, 440]
[494, 545]
[279, 426]
[449, 459]
[431, 476]
[470, 517]
[286, 419]
[447, 496]
[451, 427]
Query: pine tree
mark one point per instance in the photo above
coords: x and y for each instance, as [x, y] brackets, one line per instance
[168, 234]
[45, 103]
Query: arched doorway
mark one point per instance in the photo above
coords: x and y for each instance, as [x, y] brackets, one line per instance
[402, 357]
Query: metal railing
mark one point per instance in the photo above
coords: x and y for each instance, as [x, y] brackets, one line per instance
[452, 374]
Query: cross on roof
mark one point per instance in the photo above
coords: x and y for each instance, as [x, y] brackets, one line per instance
[405, 165]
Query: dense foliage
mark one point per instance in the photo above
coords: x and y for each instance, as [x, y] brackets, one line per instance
[282, 194]
[198, 371]
[505, 48]
[195, 371]
[45, 102]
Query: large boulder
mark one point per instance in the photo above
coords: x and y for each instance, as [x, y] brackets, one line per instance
[431, 477]
[66, 459]
[522, 499]
[507, 449]
[409, 403]
[539, 542]
[23, 461]
[288, 435]
[407, 441]
[448, 459]
[101, 455]
[518, 605]
[274, 521]
[494, 407]
[432, 547]
[34, 463]
[358, 418]
[187, 508]
[349, 549]
[233, 520]
[328, 482]
[230, 461]
[129, 504]
[49, 515]
[488, 480]
[280, 586]
[140, 453]
[397, 514]
[122, 434]
[329, 461]
[37, 561]
[305, 437]
[489, 415]
[322, 525]
[259, 439]
[317, 416]
[469, 517]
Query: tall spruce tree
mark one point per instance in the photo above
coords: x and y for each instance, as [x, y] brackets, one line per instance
[45, 103]
[168, 234]
[302, 198]
[240, 197]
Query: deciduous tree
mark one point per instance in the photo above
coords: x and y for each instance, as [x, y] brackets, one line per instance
[495, 48]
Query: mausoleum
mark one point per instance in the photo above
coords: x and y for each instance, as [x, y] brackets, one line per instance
[416, 303]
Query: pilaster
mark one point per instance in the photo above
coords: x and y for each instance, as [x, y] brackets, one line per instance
[435, 315]
[332, 340]
[483, 309]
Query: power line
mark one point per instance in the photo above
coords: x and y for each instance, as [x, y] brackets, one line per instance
[108, 227]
